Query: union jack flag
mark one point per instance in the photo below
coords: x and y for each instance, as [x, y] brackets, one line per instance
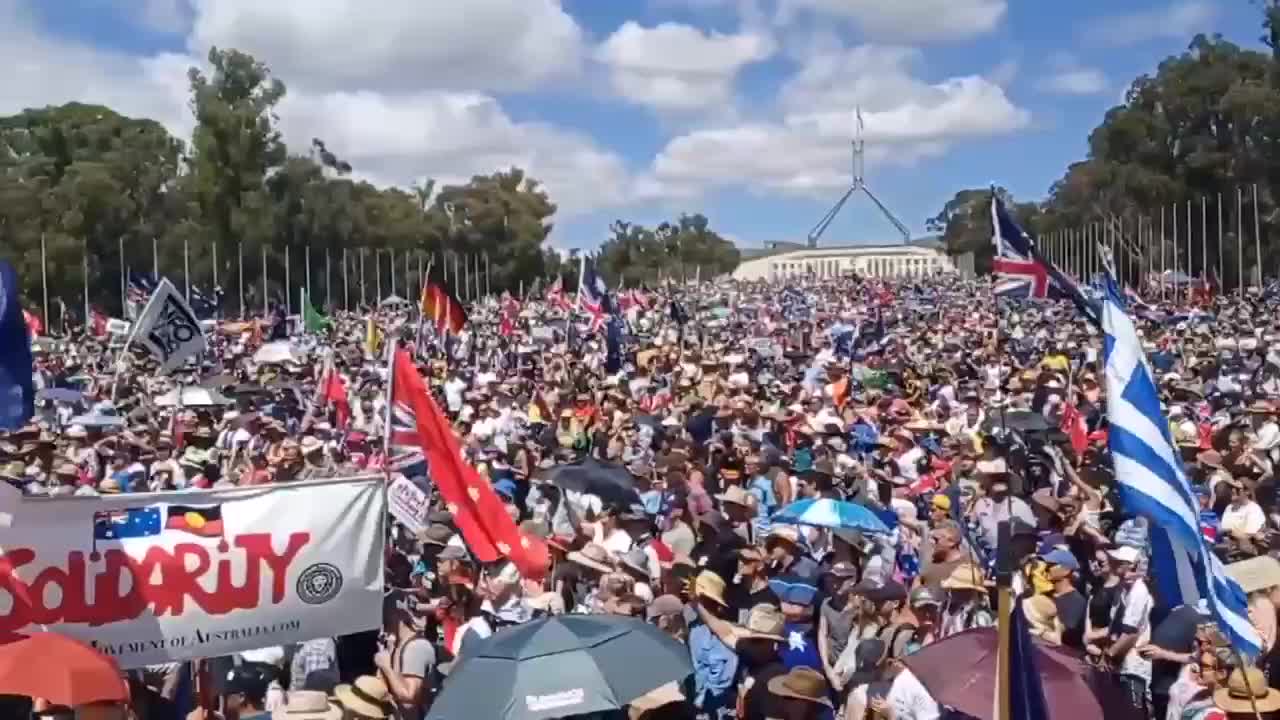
[593, 296]
[140, 287]
[404, 451]
[1022, 271]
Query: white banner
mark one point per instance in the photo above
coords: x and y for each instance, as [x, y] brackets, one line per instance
[408, 503]
[159, 577]
[168, 328]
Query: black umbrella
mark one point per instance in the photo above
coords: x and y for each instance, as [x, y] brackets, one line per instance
[612, 482]
[1016, 420]
[561, 666]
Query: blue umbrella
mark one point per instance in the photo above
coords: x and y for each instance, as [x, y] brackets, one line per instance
[98, 420]
[65, 395]
[829, 513]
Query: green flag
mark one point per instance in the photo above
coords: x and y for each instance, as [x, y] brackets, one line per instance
[312, 321]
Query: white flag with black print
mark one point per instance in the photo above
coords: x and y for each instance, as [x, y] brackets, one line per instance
[168, 328]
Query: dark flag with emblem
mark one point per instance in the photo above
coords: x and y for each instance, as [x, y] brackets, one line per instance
[168, 328]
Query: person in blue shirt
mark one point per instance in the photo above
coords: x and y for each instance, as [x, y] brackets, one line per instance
[715, 665]
[761, 487]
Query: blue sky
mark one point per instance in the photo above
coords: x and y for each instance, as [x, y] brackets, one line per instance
[641, 109]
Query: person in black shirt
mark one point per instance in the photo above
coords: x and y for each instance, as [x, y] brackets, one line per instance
[1072, 606]
[1172, 645]
[752, 586]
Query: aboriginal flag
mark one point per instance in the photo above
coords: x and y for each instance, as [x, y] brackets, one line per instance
[205, 521]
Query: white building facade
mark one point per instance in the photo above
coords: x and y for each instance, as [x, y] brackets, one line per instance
[885, 261]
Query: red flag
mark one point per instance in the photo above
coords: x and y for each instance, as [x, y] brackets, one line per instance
[510, 312]
[97, 323]
[34, 326]
[443, 308]
[335, 394]
[487, 528]
[1074, 426]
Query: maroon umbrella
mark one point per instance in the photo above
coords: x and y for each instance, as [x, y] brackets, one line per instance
[960, 672]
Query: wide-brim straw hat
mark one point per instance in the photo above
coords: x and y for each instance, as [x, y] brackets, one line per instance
[367, 696]
[1246, 691]
[592, 556]
[1254, 574]
[965, 577]
[802, 683]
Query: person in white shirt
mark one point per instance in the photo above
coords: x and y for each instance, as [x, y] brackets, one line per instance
[453, 389]
[1130, 625]
[1243, 518]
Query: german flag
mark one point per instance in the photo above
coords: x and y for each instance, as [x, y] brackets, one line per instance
[205, 521]
[443, 309]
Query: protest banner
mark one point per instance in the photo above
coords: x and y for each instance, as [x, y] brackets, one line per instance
[151, 578]
[409, 504]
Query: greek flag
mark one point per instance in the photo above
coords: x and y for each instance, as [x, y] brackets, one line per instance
[1152, 482]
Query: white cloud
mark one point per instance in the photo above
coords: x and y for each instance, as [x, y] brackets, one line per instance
[914, 20]
[678, 67]
[450, 136]
[1177, 20]
[398, 45]
[1067, 76]
[390, 137]
[807, 149]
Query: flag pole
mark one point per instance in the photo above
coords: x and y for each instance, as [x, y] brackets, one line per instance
[377, 276]
[1204, 240]
[44, 279]
[346, 297]
[1189, 253]
[240, 271]
[155, 259]
[391, 267]
[1162, 262]
[84, 269]
[1257, 235]
[1240, 240]
[124, 280]
[288, 294]
[1222, 269]
[266, 310]
[328, 282]
[306, 260]
[362, 276]
[214, 248]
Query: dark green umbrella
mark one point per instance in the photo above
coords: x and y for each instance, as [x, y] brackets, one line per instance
[560, 666]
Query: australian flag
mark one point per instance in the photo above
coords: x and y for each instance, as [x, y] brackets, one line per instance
[1022, 271]
[594, 297]
[206, 306]
[127, 523]
[140, 287]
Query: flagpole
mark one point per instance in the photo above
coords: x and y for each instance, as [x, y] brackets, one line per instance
[124, 280]
[392, 269]
[1189, 252]
[1162, 263]
[362, 276]
[266, 310]
[466, 280]
[346, 296]
[306, 259]
[455, 269]
[1222, 269]
[377, 276]
[288, 286]
[1240, 240]
[44, 279]
[1257, 234]
[488, 276]
[328, 282]
[186, 267]
[240, 270]
[155, 259]
[1204, 240]
[84, 269]
[214, 248]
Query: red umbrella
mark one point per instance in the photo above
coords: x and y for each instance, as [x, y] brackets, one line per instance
[960, 672]
[60, 669]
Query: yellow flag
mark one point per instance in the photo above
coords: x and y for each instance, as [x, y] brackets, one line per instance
[372, 337]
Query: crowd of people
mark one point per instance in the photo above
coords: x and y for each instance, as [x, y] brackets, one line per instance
[945, 415]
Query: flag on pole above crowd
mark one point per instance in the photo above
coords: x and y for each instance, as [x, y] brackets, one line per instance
[17, 387]
[593, 295]
[443, 309]
[1153, 484]
[312, 321]
[486, 527]
[1022, 271]
[168, 328]
[140, 287]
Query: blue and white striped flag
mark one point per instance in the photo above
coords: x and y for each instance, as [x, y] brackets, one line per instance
[1152, 483]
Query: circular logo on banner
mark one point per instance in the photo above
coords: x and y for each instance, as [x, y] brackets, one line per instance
[319, 584]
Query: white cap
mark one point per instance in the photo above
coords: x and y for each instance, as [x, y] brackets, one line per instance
[1125, 554]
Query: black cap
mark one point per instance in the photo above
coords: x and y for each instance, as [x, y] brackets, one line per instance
[888, 592]
[246, 680]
